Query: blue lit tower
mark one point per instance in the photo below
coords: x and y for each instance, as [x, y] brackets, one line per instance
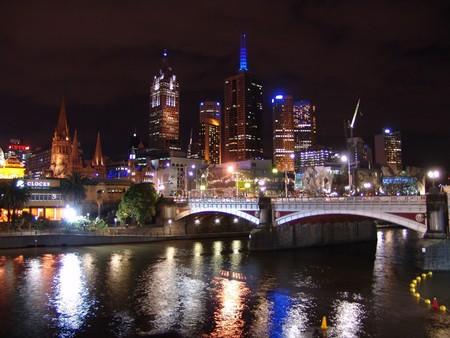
[242, 114]
[164, 109]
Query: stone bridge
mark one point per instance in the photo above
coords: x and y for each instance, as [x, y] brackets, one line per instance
[407, 211]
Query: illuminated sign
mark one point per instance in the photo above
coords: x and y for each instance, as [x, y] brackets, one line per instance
[41, 184]
[18, 147]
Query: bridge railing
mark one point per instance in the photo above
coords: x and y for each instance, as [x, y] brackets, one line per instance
[224, 203]
[353, 200]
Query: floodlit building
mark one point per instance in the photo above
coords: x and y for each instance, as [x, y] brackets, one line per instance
[388, 149]
[283, 132]
[164, 123]
[304, 115]
[210, 133]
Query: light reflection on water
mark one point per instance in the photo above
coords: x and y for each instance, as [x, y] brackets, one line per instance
[216, 288]
[71, 296]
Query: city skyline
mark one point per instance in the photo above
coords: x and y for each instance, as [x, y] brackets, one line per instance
[327, 53]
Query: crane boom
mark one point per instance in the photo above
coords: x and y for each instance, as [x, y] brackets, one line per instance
[353, 119]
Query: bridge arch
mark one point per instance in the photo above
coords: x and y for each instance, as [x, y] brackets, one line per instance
[233, 212]
[410, 224]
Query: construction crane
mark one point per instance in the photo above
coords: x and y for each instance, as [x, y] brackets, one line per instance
[351, 125]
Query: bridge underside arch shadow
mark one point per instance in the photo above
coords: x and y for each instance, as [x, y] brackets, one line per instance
[407, 223]
[237, 213]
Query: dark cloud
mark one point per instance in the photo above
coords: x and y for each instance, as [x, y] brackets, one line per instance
[102, 56]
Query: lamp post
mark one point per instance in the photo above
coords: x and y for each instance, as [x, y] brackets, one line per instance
[186, 178]
[345, 158]
[115, 225]
[231, 170]
[291, 156]
[433, 175]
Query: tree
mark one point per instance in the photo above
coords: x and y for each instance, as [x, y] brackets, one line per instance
[139, 202]
[13, 197]
[73, 188]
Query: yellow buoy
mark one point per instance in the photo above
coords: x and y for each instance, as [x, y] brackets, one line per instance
[324, 323]
[414, 281]
[417, 295]
[427, 301]
[418, 278]
[412, 290]
[442, 308]
[424, 276]
[430, 273]
[412, 285]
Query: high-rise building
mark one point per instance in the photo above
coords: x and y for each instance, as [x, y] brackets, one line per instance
[164, 109]
[388, 149]
[210, 134]
[304, 125]
[243, 117]
[283, 132]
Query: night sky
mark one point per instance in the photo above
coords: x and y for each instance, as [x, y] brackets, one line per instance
[102, 56]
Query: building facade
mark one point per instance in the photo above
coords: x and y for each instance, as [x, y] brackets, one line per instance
[164, 122]
[210, 133]
[243, 117]
[304, 125]
[283, 132]
[388, 149]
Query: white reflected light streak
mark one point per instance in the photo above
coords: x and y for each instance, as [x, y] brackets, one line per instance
[71, 295]
[348, 319]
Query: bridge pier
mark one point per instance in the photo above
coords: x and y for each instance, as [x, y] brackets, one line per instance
[321, 233]
[435, 246]
[167, 218]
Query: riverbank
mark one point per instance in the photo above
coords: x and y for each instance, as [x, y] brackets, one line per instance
[29, 239]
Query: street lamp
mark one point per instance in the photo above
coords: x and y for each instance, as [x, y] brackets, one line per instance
[344, 158]
[231, 170]
[433, 175]
[115, 225]
[186, 178]
[291, 156]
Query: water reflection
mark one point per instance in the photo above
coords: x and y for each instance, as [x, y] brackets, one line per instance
[230, 298]
[170, 297]
[347, 318]
[70, 300]
[216, 288]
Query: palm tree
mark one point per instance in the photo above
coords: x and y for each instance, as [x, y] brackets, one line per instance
[73, 188]
[13, 197]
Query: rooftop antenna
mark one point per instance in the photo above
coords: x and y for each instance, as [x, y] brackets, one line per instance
[243, 54]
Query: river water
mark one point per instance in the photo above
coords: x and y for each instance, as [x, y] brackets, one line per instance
[217, 288]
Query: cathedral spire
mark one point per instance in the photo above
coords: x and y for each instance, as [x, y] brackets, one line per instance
[98, 157]
[62, 130]
[76, 165]
[243, 55]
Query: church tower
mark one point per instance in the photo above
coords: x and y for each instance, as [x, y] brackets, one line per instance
[97, 162]
[76, 164]
[61, 152]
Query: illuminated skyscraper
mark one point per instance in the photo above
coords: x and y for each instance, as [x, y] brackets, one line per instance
[242, 114]
[283, 132]
[209, 136]
[304, 125]
[388, 149]
[164, 109]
